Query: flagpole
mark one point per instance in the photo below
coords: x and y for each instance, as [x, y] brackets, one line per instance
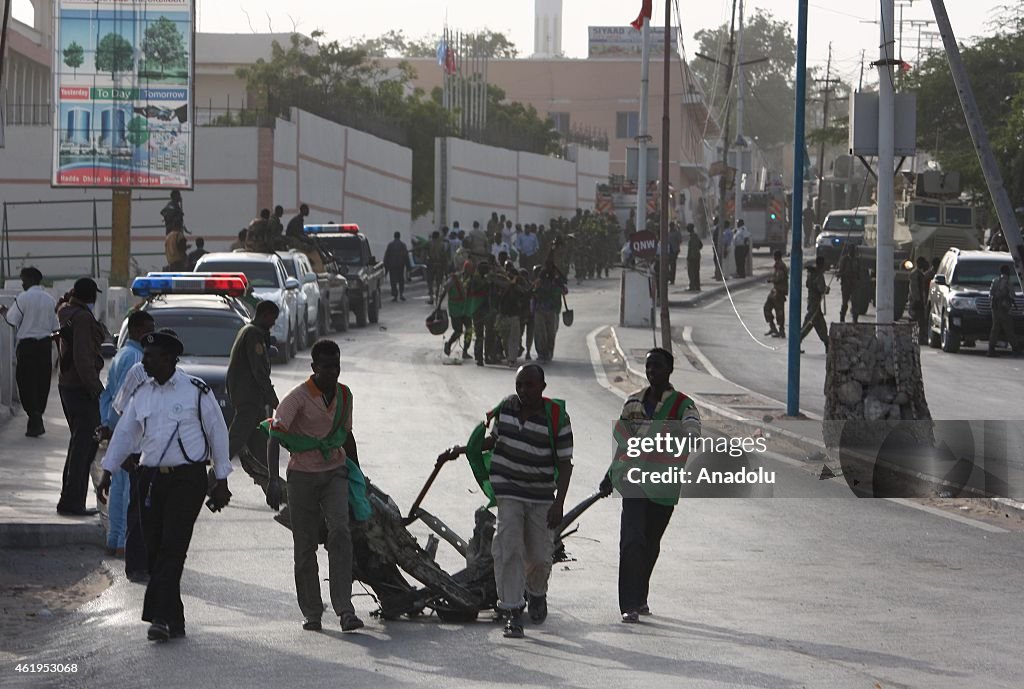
[666, 325]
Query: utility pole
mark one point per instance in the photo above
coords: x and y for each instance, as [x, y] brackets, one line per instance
[796, 251]
[741, 143]
[666, 324]
[827, 92]
[725, 137]
[993, 178]
[886, 153]
[120, 236]
[860, 80]
[642, 136]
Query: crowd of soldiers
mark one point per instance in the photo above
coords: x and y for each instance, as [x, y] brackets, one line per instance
[505, 284]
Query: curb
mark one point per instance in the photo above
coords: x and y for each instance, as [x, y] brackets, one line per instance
[717, 291]
[47, 535]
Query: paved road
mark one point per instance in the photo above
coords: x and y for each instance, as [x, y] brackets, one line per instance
[793, 593]
[958, 386]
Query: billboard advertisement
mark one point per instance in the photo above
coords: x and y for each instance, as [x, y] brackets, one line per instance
[122, 76]
[624, 41]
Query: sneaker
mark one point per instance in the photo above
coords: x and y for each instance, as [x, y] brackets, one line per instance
[349, 622]
[537, 606]
[467, 355]
[644, 609]
[514, 625]
[773, 333]
[312, 624]
[158, 631]
[631, 617]
[447, 348]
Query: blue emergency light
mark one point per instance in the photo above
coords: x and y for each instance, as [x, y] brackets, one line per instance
[225, 284]
[332, 228]
[240, 276]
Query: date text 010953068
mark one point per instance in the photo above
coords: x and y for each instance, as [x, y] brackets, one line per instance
[46, 667]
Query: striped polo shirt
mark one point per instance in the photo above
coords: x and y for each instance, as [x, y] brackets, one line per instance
[523, 464]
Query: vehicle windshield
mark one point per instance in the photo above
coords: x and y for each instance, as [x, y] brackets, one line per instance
[959, 215]
[202, 335]
[259, 274]
[927, 215]
[289, 267]
[976, 272]
[346, 249]
[844, 223]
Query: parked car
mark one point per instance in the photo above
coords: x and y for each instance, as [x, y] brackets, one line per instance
[310, 300]
[960, 309]
[206, 323]
[269, 280]
[349, 251]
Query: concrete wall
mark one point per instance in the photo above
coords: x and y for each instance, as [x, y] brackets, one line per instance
[343, 175]
[527, 187]
[224, 200]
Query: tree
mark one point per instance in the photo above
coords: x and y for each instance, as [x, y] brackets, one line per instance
[74, 56]
[484, 43]
[994, 65]
[344, 85]
[770, 103]
[114, 54]
[163, 44]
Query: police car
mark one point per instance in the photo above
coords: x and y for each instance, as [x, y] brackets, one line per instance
[206, 310]
[269, 280]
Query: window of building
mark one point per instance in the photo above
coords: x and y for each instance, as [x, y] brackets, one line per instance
[627, 125]
[560, 121]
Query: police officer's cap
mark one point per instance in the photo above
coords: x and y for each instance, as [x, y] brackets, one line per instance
[164, 341]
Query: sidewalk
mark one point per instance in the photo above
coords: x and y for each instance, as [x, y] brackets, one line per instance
[30, 478]
[679, 296]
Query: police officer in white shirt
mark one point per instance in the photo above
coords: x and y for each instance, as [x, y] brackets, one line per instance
[34, 315]
[175, 422]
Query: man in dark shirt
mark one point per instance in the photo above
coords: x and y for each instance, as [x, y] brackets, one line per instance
[251, 393]
[79, 385]
[396, 259]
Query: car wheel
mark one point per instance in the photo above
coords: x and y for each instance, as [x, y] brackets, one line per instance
[934, 338]
[374, 312]
[341, 320]
[950, 343]
[360, 310]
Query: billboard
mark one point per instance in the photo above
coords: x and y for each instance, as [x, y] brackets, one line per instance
[624, 41]
[122, 78]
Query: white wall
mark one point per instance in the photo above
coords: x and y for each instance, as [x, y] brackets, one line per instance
[527, 187]
[223, 202]
[343, 175]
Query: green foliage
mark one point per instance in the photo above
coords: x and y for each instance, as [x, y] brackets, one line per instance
[394, 43]
[344, 85]
[74, 56]
[995, 67]
[769, 108]
[114, 54]
[163, 44]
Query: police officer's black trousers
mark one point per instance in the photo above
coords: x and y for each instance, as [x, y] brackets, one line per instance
[82, 410]
[1002, 329]
[34, 370]
[775, 305]
[245, 434]
[642, 525]
[135, 560]
[673, 259]
[397, 284]
[847, 293]
[170, 506]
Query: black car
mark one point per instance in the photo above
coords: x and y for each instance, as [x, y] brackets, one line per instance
[960, 309]
[207, 326]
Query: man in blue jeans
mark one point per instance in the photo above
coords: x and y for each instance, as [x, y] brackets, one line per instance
[140, 323]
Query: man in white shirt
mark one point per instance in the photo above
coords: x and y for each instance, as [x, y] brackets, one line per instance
[175, 422]
[34, 316]
[741, 243]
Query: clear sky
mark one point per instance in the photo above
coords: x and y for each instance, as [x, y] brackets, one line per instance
[848, 25]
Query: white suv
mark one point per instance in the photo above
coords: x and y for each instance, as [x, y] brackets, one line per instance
[269, 281]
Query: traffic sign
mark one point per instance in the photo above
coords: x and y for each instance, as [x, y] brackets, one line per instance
[644, 244]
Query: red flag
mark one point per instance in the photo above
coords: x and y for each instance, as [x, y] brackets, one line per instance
[645, 11]
[905, 66]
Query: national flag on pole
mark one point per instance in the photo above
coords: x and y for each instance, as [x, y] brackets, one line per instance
[645, 12]
[446, 57]
[905, 66]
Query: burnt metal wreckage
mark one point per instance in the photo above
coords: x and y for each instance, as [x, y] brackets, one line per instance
[384, 552]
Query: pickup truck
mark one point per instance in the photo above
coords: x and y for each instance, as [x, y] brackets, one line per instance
[348, 251]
